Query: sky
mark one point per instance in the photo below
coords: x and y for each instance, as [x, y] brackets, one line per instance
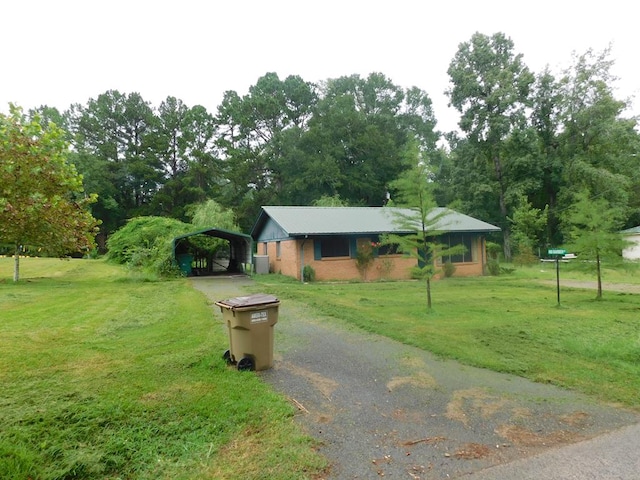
[69, 51]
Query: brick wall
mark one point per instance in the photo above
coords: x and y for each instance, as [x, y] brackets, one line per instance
[386, 267]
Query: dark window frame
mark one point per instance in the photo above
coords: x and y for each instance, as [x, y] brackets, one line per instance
[338, 246]
[455, 239]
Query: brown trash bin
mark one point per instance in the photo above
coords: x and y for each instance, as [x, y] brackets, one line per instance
[250, 322]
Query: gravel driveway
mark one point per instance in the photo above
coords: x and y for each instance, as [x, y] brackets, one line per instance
[381, 408]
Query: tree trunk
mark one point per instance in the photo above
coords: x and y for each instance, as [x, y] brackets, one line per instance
[599, 273]
[16, 264]
[497, 163]
[428, 294]
[506, 247]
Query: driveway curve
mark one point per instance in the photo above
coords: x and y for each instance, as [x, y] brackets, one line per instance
[383, 409]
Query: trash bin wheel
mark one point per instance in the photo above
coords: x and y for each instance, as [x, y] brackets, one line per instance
[246, 363]
[227, 357]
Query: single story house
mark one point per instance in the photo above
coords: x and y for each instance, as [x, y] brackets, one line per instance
[328, 238]
[632, 251]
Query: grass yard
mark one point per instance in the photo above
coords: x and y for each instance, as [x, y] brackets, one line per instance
[106, 375]
[509, 323]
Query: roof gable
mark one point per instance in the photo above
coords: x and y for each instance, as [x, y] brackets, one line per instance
[299, 221]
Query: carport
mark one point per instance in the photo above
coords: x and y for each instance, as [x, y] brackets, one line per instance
[213, 251]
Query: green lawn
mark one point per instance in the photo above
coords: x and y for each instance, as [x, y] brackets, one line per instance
[106, 375]
[510, 323]
[109, 375]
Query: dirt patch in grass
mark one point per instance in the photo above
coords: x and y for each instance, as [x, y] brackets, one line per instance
[611, 287]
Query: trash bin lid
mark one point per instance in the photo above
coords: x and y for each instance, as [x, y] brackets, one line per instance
[249, 300]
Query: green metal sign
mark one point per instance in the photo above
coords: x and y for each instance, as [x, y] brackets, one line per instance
[556, 251]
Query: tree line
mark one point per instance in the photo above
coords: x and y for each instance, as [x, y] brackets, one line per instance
[529, 144]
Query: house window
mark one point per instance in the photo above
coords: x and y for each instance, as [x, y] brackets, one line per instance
[391, 249]
[453, 240]
[334, 247]
[264, 248]
[278, 251]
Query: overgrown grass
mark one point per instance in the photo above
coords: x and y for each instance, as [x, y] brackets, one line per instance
[105, 375]
[508, 323]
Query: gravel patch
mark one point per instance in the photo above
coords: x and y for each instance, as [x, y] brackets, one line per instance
[381, 408]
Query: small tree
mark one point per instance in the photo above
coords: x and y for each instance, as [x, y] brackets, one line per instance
[593, 227]
[528, 226]
[365, 255]
[414, 190]
[330, 201]
[42, 199]
[211, 214]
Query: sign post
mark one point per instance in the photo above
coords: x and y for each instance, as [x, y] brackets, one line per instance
[557, 252]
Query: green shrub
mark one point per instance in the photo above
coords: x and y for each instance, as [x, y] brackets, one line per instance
[146, 243]
[525, 256]
[308, 273]
[448, 269]
[364, 258]
[493, 250]
[493, 267]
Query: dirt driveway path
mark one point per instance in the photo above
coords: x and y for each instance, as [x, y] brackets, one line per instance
[606, 287]
[381, 408]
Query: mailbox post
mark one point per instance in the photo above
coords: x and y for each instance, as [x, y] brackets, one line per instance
[557, 252]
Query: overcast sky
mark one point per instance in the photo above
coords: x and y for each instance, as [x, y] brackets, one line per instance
[68, 51]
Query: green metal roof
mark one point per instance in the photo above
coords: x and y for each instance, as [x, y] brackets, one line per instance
[298, 221]
[631, 231]
[216, 232]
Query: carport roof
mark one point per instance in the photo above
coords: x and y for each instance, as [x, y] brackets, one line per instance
[216, 232]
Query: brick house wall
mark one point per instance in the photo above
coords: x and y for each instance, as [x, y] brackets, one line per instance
[285, 257]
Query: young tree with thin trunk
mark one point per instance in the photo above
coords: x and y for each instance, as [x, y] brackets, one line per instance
[413, 190]
[593, 227]
[42, 200]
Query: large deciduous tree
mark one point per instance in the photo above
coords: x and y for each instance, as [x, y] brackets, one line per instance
[253, 132]
[42, 199]
[190, 169]
[490, 87]
[115, 147]
[354, 144]
[546, 123]
[599, 147]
